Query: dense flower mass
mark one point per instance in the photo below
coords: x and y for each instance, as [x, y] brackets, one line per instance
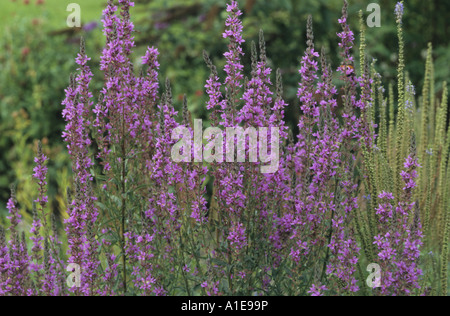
[399, 244]
[140, 223]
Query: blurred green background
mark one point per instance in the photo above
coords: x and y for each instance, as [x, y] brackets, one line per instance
[37, 52]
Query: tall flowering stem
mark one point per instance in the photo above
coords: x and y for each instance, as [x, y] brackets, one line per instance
[233, 67]
[83, 213]
[117, 119]
[40, 174]
[17, 271]
[39, 218]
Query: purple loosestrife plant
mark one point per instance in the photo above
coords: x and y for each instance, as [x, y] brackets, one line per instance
[134, 145]
[37, 248]
[233, 67]
[5, 280]
[40, 174]
[18, 264]
[348, 75]
[307, 217]
[49, 283]
[120, 117]
[229, 185]
[140, 223]
[257, 96]
[213, 85]
[164, 213]
[243, 198]
[326, 197]
[83, 213]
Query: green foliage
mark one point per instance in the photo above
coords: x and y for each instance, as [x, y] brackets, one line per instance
[182, 29]
[33, 67]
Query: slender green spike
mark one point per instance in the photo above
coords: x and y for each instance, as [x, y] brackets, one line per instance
[169, 97]
[362, 46]
[401, 63]
[279, 85]
[375, 86]
[427, 224]
[383, 138]
[391, 133]
[262, 47]
[401, 103]
[186, 114]
[371, 189]
[432, 114]
[410, 93]
[363, 230]
[310, 33]
[386, 175]
[424, 143]
[443, 151]
[210, 64]
[445, 240]
[442, 118]
[425, 109]
[82, 46]
[254, 59]
[447, 148]
[400, 143]
[2, 237]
